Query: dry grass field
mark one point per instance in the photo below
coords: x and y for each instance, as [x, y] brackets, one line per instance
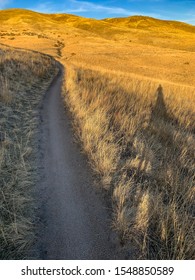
[24, 77]
[130, 85]
[140, 140]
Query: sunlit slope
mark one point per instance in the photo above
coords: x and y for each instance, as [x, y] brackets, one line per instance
[149, 23]
[139, 29]
[19, 17]
[147, 47]
[164, 33]
[44, 21]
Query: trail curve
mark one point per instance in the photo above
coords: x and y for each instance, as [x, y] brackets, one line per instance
[74, 220]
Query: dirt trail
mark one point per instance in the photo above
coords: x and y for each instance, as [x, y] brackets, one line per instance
[74, 219]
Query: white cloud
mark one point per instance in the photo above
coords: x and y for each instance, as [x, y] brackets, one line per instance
[92, 7]
[78, 7]
[4, 3]
[50, 7]
[74, 6]
[188, 20]
[46, 7]
[85, 6]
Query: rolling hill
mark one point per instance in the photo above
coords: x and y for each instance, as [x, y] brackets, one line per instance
[145, 46]
[144, 22]
[130, 86]
[106, 27]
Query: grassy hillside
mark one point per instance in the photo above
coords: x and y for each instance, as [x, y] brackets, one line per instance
[156, 49]
[143, 22]
[130, 85]
[140, 140]
[138, 22]
[24, 77]
[108, 28]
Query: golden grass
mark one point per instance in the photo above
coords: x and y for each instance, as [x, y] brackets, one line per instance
[140, 138]
[155, 49]
[24, 77]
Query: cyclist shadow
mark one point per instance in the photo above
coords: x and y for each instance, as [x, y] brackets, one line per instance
[129, 152]
[159, 110]
[142, 168]
[158, 127]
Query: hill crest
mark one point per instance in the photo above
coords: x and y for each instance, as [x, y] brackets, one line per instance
[136, 21]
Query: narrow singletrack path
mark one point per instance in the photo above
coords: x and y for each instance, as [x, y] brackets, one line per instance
[74, 221]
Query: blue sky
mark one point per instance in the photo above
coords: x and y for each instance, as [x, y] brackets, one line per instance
[163, 9]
